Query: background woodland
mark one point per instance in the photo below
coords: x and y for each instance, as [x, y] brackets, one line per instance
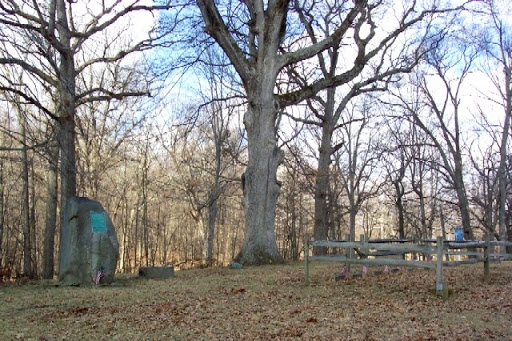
[416, 144]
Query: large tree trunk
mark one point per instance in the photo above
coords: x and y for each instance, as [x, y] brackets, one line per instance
[25, 208]
[2, 190]
[508, 224]
[213, 197]
[322, 190]
[502, 170]
[51, 213]
[66, 108]
[322, 181]
[462, 198]
[423, 214]
[66, 113]
[258, 73]
[399, 204]
[261, 185]
[352, 220]
[212, 217]
[33, 234]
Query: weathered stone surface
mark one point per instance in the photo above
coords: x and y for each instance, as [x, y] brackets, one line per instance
[156, 271]
[88, 244]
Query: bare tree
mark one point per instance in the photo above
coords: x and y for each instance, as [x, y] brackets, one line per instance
[389, 60]
[357, 160]
[252, 33]
[295, 209]
[424, 179]
[439, 115]
[52, 44]
[484, 190]
[496, 40]
[396, 162]
[28, 248]
[217, 122]
[21, 113]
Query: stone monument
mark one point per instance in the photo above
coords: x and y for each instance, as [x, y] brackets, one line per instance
[88, 246]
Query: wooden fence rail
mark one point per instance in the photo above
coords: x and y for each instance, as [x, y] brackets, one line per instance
[374, 253]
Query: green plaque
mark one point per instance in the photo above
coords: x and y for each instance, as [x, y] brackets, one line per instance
[98, 222]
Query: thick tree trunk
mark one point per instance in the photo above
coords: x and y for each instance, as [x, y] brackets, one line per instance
[462, 198]
[212, 217]
[51, 213]
[33, 234]
[463, 204]
[27, 239]
[261, 184]
[352, 221]
[66, 113]
[322, 190]
[67, 163]
[423, 214]
[465, 216]
[2, 190]
[322, 181]
[508, 224]
[68, 157]
[351, 191]
[28, 269]
[502, 170]
[214, 197]
[400, 209]
[292, 237]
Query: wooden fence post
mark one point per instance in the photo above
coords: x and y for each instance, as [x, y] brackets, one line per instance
[306, 256]
[364, 241]
[439, 283]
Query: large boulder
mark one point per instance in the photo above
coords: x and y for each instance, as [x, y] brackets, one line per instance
[88, 246]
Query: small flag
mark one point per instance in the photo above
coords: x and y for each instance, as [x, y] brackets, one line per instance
[365, 269]
[99, 276]
[386, 269]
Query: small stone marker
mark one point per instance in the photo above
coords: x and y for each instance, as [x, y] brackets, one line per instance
[156, 271]
[235, 265]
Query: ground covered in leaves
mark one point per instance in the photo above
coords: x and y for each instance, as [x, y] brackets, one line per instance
[264, 303]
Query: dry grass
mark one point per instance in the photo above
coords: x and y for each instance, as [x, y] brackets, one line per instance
[269, 302]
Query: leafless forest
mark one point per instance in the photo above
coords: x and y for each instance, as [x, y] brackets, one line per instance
[221, 130]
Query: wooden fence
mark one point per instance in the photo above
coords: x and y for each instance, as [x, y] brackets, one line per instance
[434, 253]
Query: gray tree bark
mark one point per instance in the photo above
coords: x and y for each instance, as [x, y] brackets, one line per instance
[2, 192]
[213, 196]
[261, 184]
[400, 194]
[28, 269]
[322, 179]
[51, 211]
[503, 180]
[65, 109]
